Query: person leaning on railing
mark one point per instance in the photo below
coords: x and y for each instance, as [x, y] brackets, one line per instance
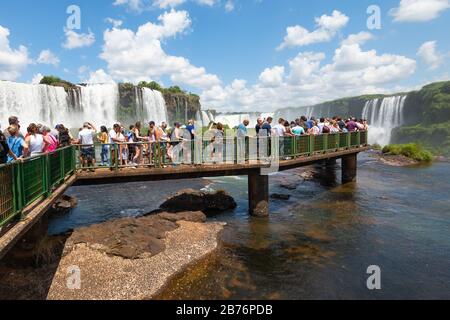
[16, 143]
[35, 144]
[86, 140]
[114, 140]
[5, 150]
[65, 139]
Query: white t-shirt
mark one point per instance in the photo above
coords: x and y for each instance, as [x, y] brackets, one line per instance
[279, 130]
[86, 136]
[112, 134]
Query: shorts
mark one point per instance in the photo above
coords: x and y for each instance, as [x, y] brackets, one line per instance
[88, 153]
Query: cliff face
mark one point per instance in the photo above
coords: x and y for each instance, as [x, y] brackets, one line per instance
[182, 107]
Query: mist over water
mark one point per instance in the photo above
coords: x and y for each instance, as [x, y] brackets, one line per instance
[97, 103]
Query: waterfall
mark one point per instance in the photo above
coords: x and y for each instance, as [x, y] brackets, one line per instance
[211, 116]
[33, 103]
[383, 115]
[49, 105]
[98, 104]
[154, 106]
[205, 118]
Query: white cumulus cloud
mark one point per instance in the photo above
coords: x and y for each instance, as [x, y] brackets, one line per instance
[115, 22]
[359, 38]
[327, 28]
[135, 56]
[428, 53]
[419, 10]
[99, 77]
[76, 40]
[272, 77]
[37, 78]
[12, 61]
[352, 71]
[48, 57]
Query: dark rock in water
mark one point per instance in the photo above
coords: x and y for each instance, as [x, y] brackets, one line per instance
[279, 196]
[64, 204]
[131, 238]
[193, 200]
[288, 186]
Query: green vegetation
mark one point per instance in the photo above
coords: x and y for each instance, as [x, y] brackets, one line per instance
[49, 80]
[151, 85]
[127, 86]
[57, 82]
[411, 150]
[156, 86]
[376, 146]
[435, 100]
[174, 90]
[435, 137]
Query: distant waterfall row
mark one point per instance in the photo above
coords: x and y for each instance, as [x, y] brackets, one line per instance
[51, 105]
[384, 115]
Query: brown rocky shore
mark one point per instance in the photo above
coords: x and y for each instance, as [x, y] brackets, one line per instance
[133, 259]
[123, 259]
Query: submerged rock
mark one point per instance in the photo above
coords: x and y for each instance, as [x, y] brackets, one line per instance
[64, 204]
[288, 186]
[193, 200]
[279, 196]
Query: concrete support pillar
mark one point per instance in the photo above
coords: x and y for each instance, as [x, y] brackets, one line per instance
[258, 194]
[349, 168]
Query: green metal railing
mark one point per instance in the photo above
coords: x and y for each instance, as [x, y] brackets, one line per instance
[24, 182]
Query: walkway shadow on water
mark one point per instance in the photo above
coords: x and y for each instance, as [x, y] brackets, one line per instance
[27, 271]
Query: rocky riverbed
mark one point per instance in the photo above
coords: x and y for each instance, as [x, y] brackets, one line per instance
[133, 258]
[130, 258]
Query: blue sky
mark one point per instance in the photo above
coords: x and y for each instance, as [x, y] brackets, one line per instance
[230, 51]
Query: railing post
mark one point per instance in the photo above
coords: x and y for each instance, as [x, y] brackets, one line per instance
[294, 146]
[46, 175]
[61, 164]
[325, 143]
[116, 157]
[15, 188]
[311, 145]
[349, 140]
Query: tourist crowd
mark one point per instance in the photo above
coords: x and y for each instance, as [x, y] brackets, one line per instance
[131, 146]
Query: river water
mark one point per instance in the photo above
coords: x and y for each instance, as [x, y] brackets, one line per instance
[317, 245]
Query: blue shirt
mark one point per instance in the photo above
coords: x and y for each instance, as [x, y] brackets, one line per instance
[16, 146]
[266, 126]
[242, 130]
[191, 129]
[310, 124]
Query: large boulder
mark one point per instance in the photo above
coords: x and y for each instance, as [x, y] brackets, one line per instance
[131, 238]
[193, 200]
[64, 204]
